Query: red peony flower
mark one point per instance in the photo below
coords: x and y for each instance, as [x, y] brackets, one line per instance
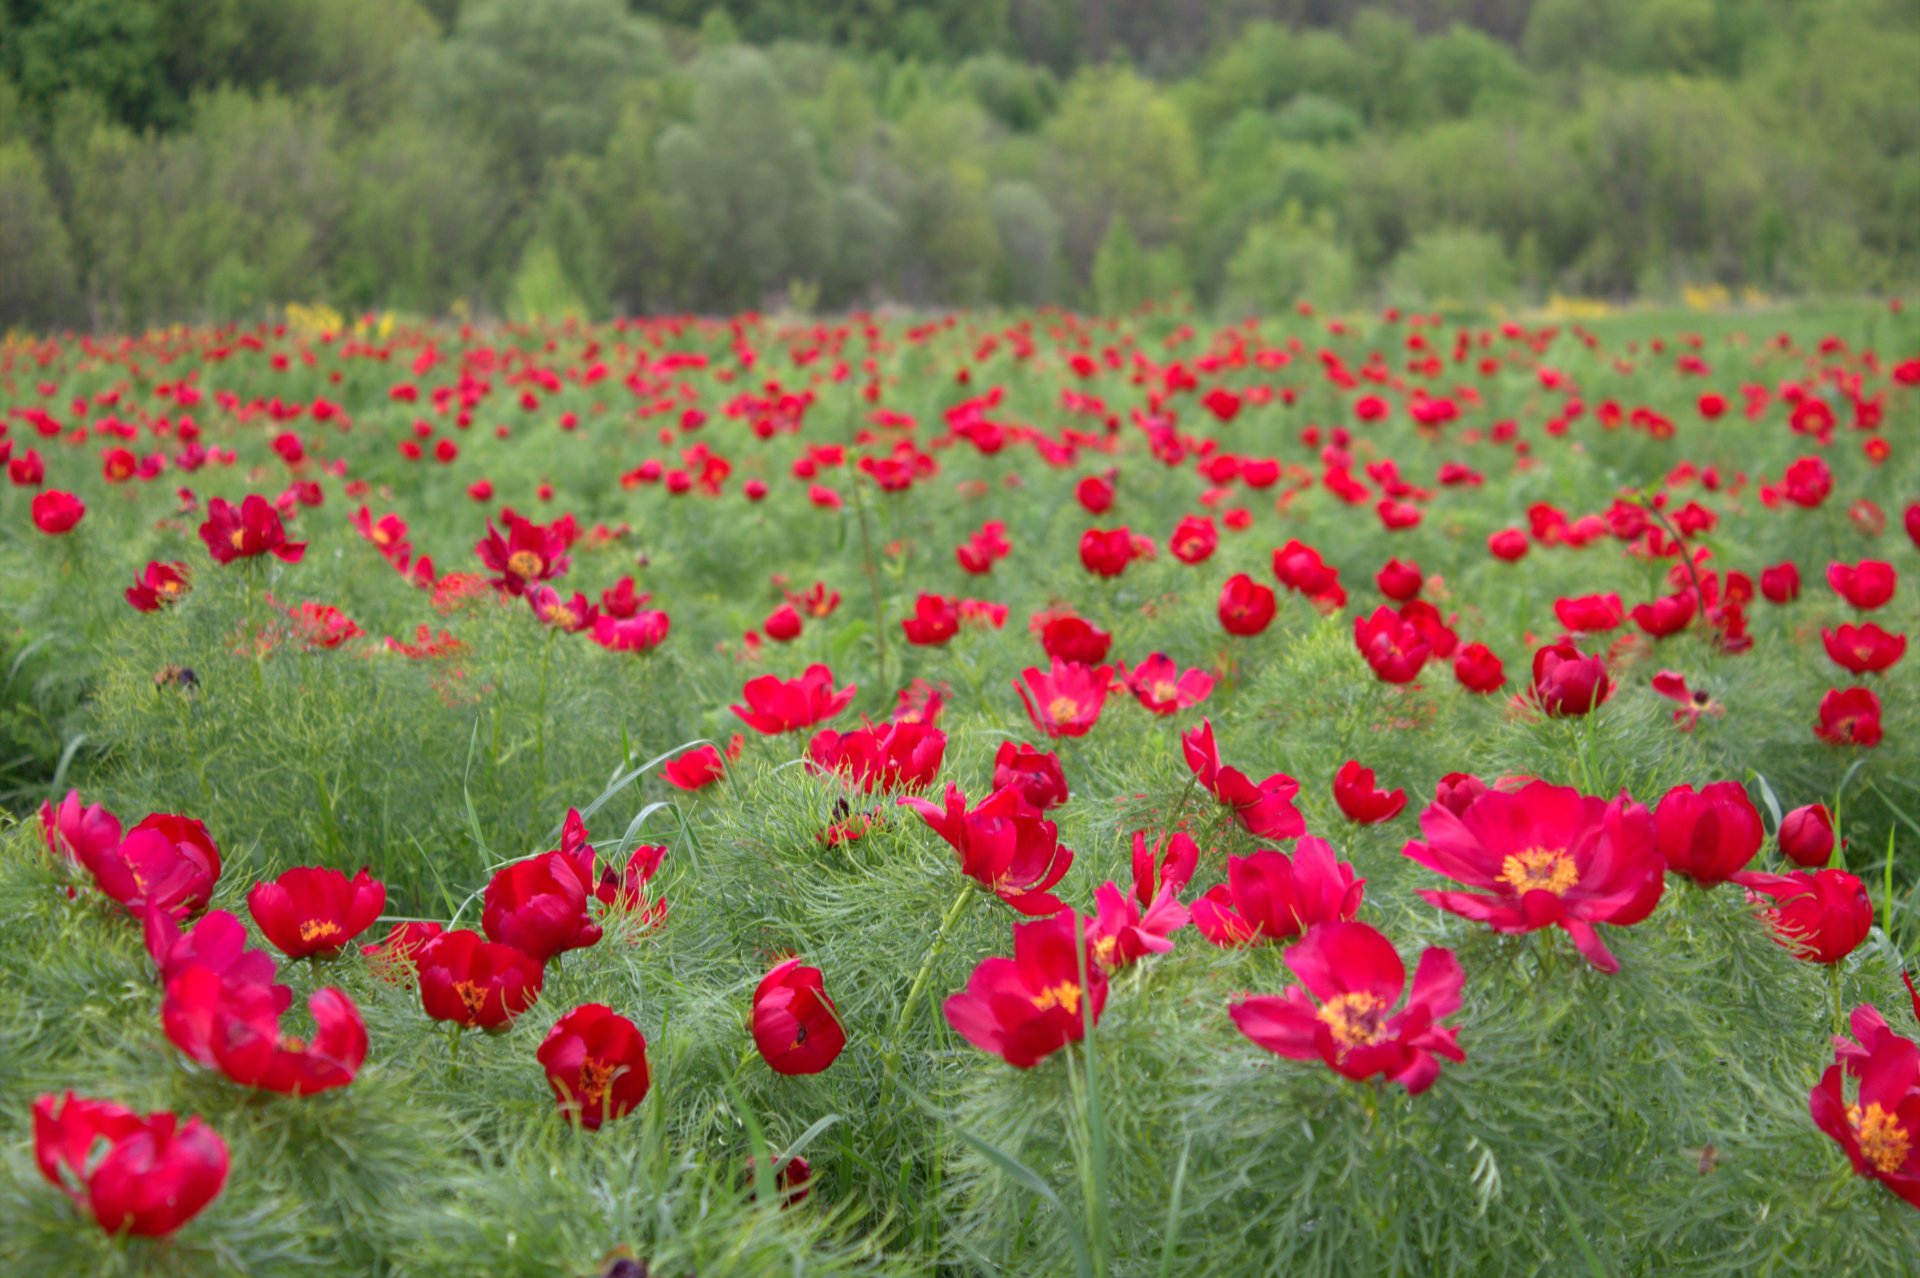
[158, 585]
[314, 912]
[1106, 553]
[1004, 845]
[642, 632]
[1353, 978]
[1066, 700]
[230, 1023]
[884, 758]
[1025, 1008]
[795, 1025]
[1849, 716]
[776, 705]
[596, 1064]
[1075, 640]
[1780, 583]
[935, 620]
[396, 956]
[1864, 649]
[1479, 669]
[1195, 539]
[1819, 915]
[1161, 687]
[1121, 933]
[569, 615]
[1246, 606]
[1880, 1130]
[1708, 835]
[250, 530]
[1398, 579]
[625, 890]
[699, 767]
[1545, 856]
[1589, 614]
[476, 983]
[529, 553]
[539, 905]
[1265, 810]
[1035, 774]
[141, 1175]
[1567, 682]
[1865, 585]
[56, 513]
[1360, 799]
[1393, 647]
[1268, 897]
[1806, 836]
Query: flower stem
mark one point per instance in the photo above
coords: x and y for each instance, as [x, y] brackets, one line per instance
[912, 1003]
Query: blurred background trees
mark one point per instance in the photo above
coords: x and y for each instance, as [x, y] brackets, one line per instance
[205, 159]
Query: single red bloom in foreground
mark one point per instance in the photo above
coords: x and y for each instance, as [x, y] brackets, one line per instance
[1708, 835]
[313, 912]
[1025, 1008]
[1005, 845]
[153, 1176]
[1819, 915]
[539, 905]
[473, 982]
[251, 529]
[55, 512]
[1880, 1130]
[1356, 977]
[776, 705]
[596, 1063]
[1545, 856]
[1268, 897]
[795, 1025]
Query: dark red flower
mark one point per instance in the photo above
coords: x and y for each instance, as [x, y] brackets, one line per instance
[1025, 1008]
[228, 1022]
[529, 553]
[1168, 863]
[935, 620]
[1300, 568]
[1589, 613]
[1806, 836]
[144, 1175]
[471, 981]
[539, 905]
[1066, 637]
[1819, 915]
[1667, 615]
[1195, 539]
[1265, 810]
[776, 705]
[396, 956]
[1355, 977]
[1269, 897]
[1849, 716]
[1568, 682]
[56, 513]
[313, 911]
[251, 529]
[1106, 553]
[158, 585]
[699, 767]
[1865, 585]
[1360, 799]
[1035, 774]
[1398, 579]
[1710, 834]
[1479, 669]
[795, 1025]
[1780, 583]
[1004, 845]
[1394, 648]
[596, 1064]
[1545, 856]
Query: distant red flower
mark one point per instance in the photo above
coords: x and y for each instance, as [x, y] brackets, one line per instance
[1095, 493]
[322, 626]
[1708, 835]
[158, 585]
[1780, 583]
[1246, 606]
[1806, 836]
[473, 982]
[1864, 649]
[1035, 774]
[1880, 1130]
[642, 632]
[1567, 682]
[1269, 897]
[1167, 863]
[596, 1064]
[1479, 669]
[1394, 648]
[1398, 579]
[1865, 585]
[1819, 915]
[699, 767]
[1667, 615]
[313, 911]
[1545, 856]
[782, 625]
[885, 758]
[1161, 687]
[528, 553]
[1693, 702]
[1003, 844]
[153, 1175]
[1849, 716]
[795, 1025]
[395, 957]
[624, 890]
[1589, 613]
[1194, 539]
[1106, 553]
[1066, 700]
[1300, 568]
[55, 512]
[1265, 810]
[776, 705]
[1074, 639]
[1360, 799]
[251, 529]
[1806, 482]
[935, 620]
[1025, 1008]
[569, 615]
[1509, 544]
[1353, 978]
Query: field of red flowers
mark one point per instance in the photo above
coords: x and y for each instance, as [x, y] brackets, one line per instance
[963, 794]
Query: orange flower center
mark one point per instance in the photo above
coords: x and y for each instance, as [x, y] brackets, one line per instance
[472, 995]
[1883, 1141]
[172, 587]
[318, 930]
[1165, 692]
[1103, 951]
[1356, 1019]
[238, 538]
[525, 563]
[564, 618]
[596, 1076]
[1061, 708]
[1066, 994]
[1540, 870]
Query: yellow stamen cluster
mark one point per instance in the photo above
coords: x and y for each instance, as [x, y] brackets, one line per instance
[1540, 870]
[1356, 1019]
[1883, 1141]
[1066, 994]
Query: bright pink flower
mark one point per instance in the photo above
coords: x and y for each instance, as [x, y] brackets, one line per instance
[1162, 688]
[1121, 934]
[1268, 897]
[642, 632]
[1355, 977]
[1025, 1008]
[1066, 700]
[1545, 856]
[1265, 810]
[153, 1176]
[1880, 1130]
[795, 1025]
[1004, 845]
[1589, 613]
[570, 615]
[776, 705]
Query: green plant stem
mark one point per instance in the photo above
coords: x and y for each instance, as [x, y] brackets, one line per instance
[914, 991]
[872, 570]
